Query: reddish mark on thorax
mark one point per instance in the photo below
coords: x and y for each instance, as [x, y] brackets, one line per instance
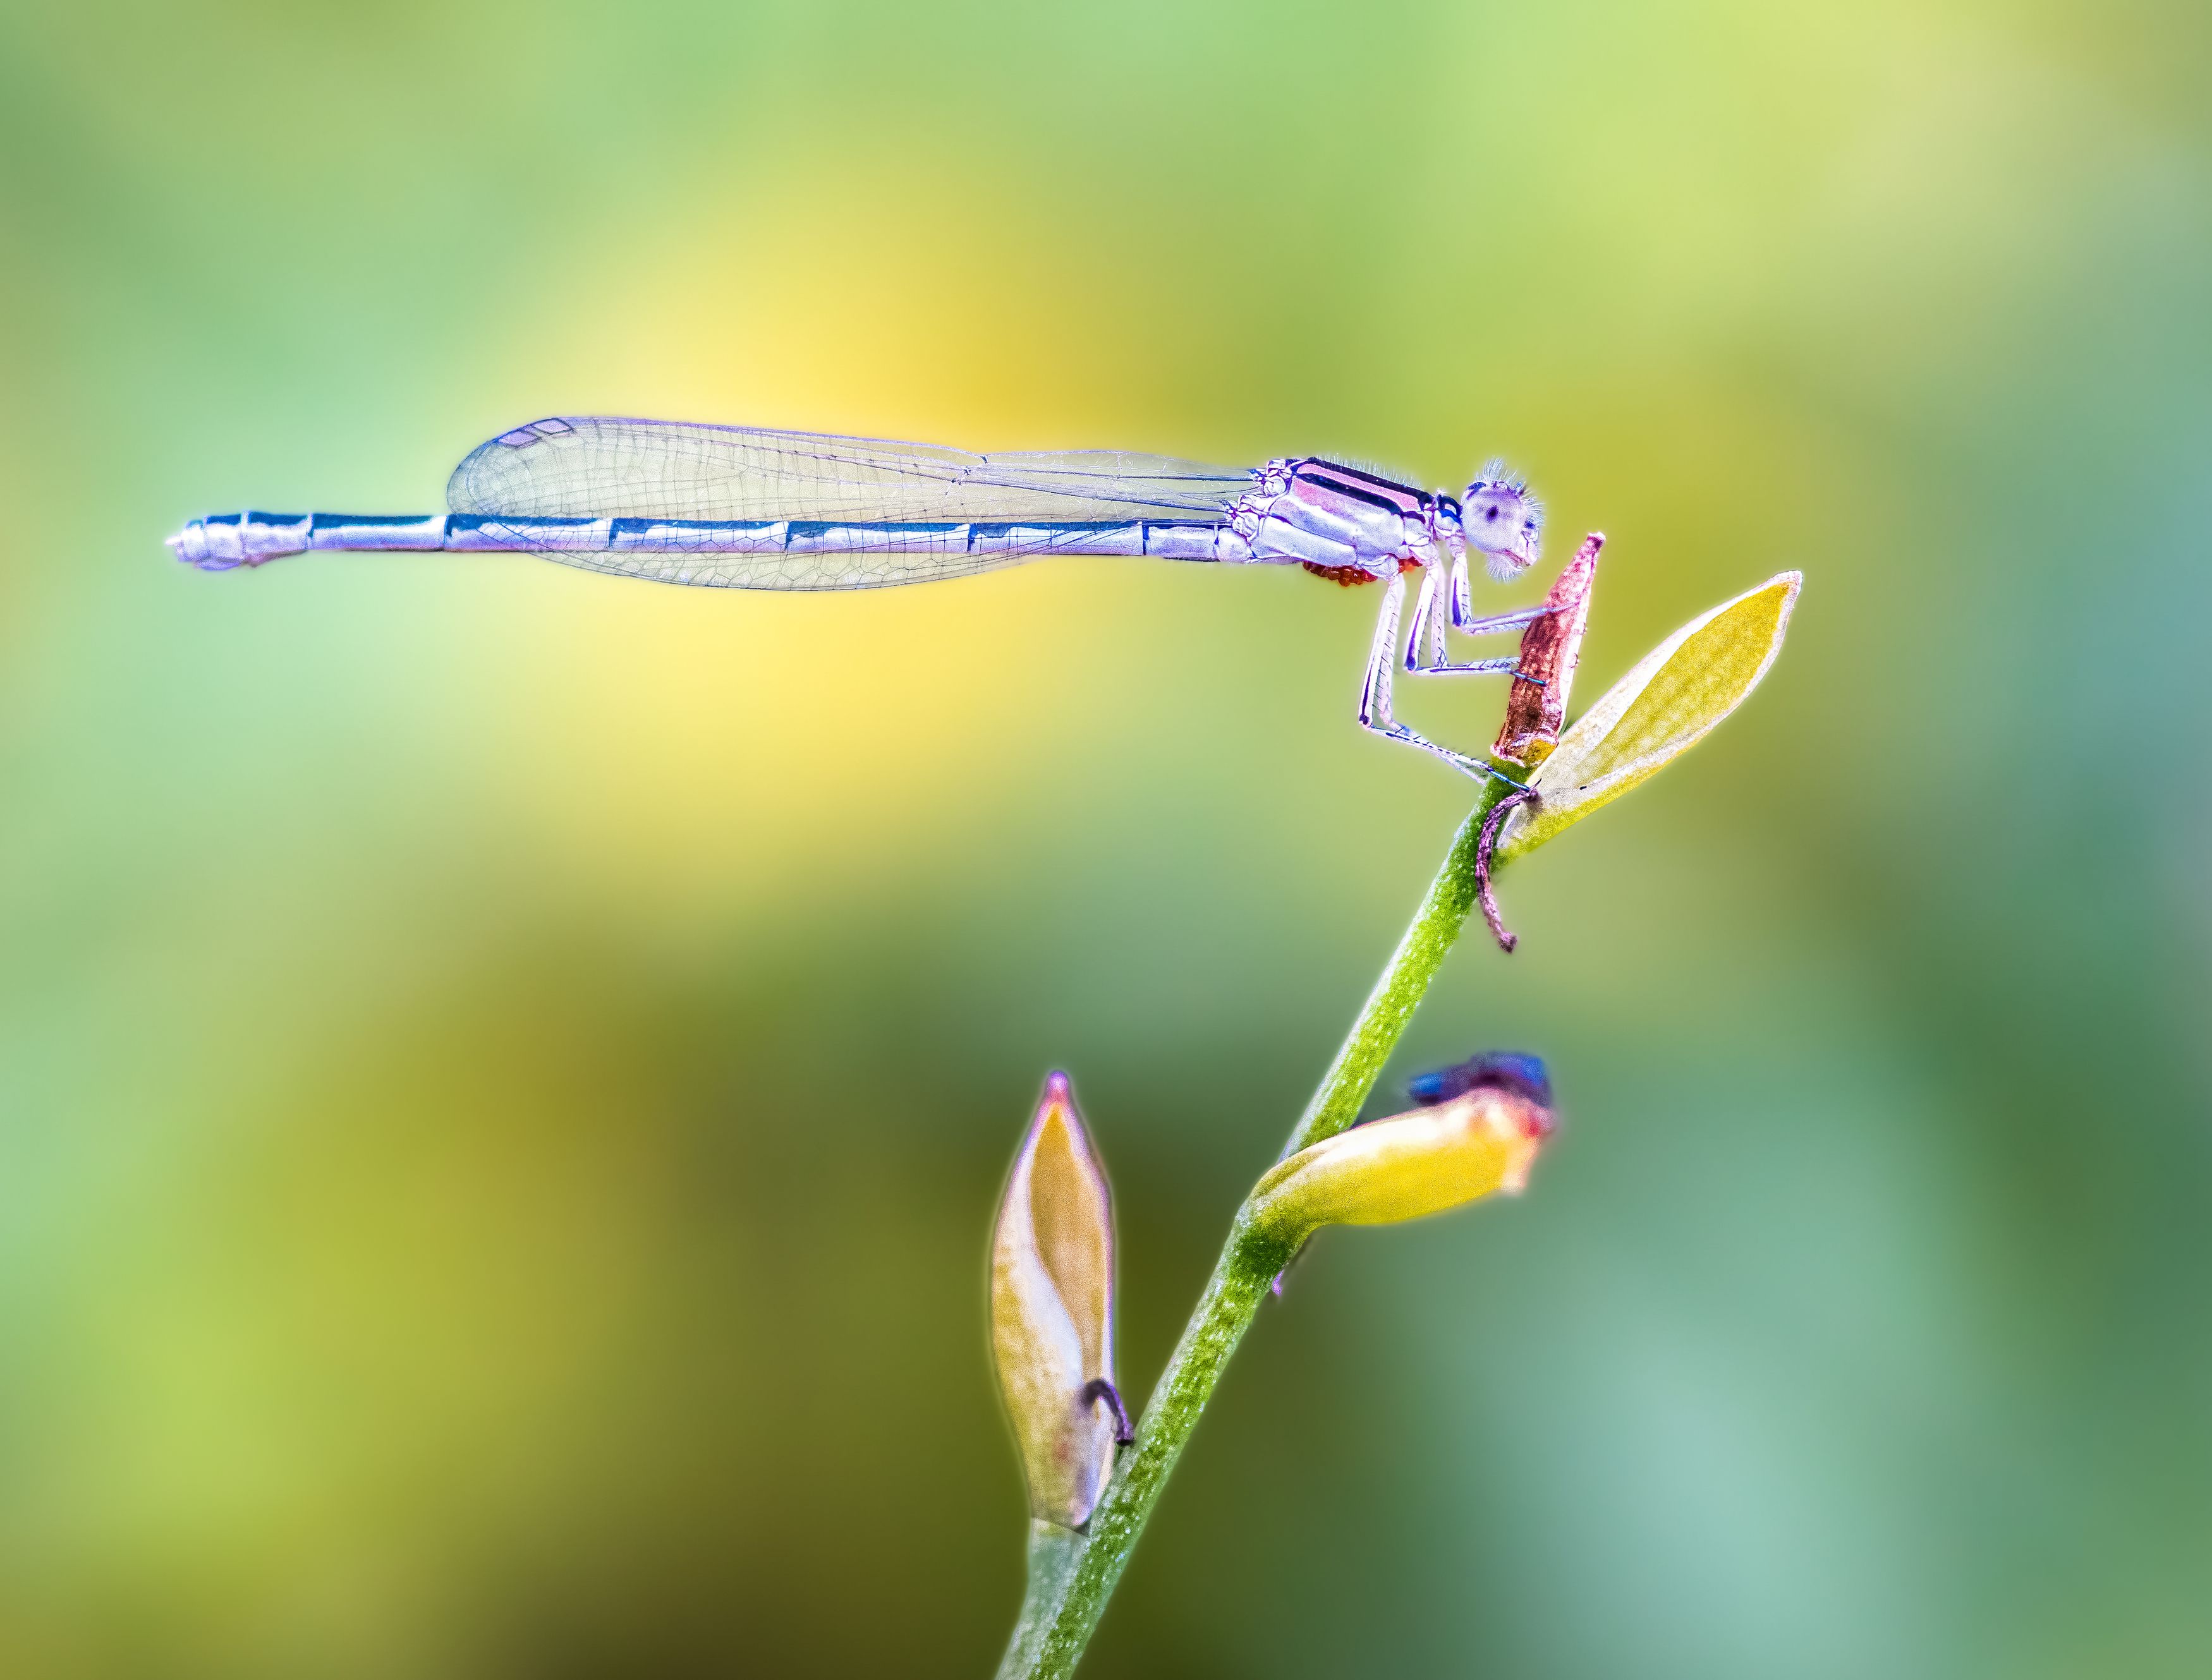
[1349, 576]
[1353, 576]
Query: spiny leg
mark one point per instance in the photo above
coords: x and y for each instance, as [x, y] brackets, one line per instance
[1429, 624]
[1375, 691]
[1463, 609]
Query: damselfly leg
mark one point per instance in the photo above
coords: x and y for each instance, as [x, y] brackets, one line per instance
[1374, 711]
[1428, 625]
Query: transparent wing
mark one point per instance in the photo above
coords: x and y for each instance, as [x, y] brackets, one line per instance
[895, 513]
[595, 468]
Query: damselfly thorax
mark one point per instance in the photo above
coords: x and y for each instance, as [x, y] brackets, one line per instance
[742, 507]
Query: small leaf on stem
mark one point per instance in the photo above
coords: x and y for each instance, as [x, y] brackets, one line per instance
[1659, 711]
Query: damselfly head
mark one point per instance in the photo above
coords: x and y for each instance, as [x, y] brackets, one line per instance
[1503, 520]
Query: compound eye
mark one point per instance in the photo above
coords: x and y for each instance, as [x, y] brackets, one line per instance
[1503, 520]
[1496, 517]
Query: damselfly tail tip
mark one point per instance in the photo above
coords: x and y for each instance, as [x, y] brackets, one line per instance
[223, 541]
[190, 546]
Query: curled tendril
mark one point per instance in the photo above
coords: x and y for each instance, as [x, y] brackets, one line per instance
[1099, 1389]
[1484, 845]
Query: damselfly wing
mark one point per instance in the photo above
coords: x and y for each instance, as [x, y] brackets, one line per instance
[748, 507]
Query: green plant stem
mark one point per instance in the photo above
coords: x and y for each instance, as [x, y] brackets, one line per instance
[1071, 1575]
[1405, 980]
[1053, 1553]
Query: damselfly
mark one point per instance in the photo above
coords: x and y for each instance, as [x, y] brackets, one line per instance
[739, 508]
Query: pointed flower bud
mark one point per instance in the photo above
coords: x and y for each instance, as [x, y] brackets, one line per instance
[1551, 648]
[1052, 1310]
[1482, 1137]
[1658, 712]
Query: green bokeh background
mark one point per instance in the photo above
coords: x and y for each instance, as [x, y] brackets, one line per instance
[505, 1073]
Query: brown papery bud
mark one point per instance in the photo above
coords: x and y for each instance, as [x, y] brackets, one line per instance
[1550, 649]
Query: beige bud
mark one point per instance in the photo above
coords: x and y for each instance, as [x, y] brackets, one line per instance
[1052, 1310]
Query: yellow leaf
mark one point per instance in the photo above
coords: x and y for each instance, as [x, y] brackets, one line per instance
[1659, 711]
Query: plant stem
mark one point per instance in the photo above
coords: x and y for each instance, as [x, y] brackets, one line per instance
[1432, 934]
[1054, 1554]
[1072, 1576]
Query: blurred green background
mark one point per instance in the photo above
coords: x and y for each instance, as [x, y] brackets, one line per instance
[505, 1072]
